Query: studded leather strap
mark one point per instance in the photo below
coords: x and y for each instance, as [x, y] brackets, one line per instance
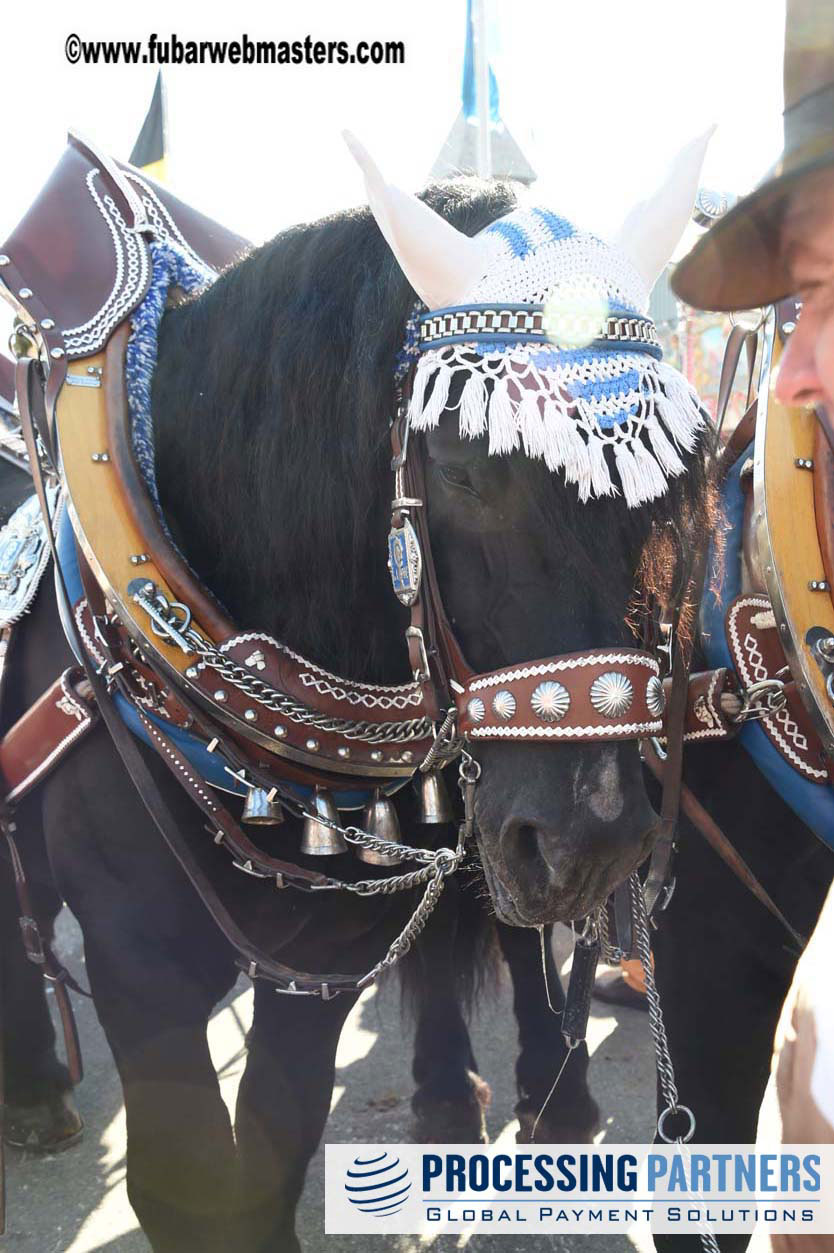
[599, 694]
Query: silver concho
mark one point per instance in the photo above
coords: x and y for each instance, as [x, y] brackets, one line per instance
[655, 696]
[405, 562]
[476, 709]
[550, 701]
[611, 694]
[503, 705]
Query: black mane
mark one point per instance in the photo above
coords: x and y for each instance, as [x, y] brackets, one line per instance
[272, 399]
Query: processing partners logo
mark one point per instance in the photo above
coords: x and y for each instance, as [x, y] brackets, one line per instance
[378, 1184]
[464, 1189]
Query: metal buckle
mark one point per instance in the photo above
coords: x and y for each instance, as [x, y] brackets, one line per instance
[423, 674]
[761, 699]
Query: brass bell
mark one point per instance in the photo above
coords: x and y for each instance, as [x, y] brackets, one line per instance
[262, 808]
[435, 805]
[380, 819]
[318, 839]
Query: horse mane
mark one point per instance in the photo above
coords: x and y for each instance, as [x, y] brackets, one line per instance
[272, 400]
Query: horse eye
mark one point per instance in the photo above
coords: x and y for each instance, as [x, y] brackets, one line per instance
[457, 476]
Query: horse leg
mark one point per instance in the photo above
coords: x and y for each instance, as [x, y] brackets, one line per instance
[282, 1107]
[571, 1115]
[40, 1114]
[451, 1097]
[157, 965]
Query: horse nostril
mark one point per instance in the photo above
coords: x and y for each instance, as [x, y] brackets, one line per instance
[525, 838]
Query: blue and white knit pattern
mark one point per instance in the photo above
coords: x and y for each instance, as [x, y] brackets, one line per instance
[569, 400]
[171, 268]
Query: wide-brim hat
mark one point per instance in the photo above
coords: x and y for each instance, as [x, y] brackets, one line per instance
[740, 262]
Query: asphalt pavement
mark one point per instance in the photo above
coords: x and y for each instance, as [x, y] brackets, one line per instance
[76, 1202]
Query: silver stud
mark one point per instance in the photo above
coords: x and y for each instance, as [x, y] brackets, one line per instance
[220, 696]
[279, 732]
[4, 260]
[818, 585]
[100, 456]
[47, 324]
[551, 701]
[343, 750]
[25, 293]
[376, 755]
[476, 709]
[611, 694]
[57, 353]
[192, 672]
[249, 715]
[503, 705]
[256, 659]
[655, 696]
[139, 559]
[312, 745]
[407, 755]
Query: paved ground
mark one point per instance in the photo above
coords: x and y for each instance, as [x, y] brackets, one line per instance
[76, 1202]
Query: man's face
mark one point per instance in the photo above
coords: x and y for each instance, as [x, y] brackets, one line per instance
[806, 372]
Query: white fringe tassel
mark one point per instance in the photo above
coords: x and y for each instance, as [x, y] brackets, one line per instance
[536, 416]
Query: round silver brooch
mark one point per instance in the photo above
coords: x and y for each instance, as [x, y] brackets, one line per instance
[655, 696]
[551, 701]
[503, 705]
[611, 694]
[476, 709]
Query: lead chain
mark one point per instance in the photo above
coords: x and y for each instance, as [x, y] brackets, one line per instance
[665, 1070]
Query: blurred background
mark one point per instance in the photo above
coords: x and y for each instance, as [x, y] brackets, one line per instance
[586, 100]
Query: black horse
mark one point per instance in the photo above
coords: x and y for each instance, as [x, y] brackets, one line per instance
[272, 398]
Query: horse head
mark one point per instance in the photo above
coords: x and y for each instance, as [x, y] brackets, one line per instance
[532, 562]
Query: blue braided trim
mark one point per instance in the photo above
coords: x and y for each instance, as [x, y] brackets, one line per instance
[171, 267]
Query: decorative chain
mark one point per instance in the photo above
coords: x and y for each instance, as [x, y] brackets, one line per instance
[165, 622]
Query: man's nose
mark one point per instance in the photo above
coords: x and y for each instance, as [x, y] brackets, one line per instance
[798, 382]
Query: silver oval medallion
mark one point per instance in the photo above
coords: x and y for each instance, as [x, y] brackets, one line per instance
[611, 694]
[476, 709]
[550, 701]
[503, 705]
[655, 696]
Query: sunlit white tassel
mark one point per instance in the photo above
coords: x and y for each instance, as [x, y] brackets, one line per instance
[436, 402]
[473, 407]
[418, 391]
[677, 406]
[563, 442]
[663, 448]
[503, 425]
[531, 425]
[601, 482]
[629, 474]
[652, 478]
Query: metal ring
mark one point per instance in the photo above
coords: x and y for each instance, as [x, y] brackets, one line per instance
[469, 769]
[676, 1109]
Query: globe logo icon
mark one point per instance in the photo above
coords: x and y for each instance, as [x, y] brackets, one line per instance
[378, 1185]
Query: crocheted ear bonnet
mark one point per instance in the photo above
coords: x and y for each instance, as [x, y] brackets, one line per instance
[560, 360]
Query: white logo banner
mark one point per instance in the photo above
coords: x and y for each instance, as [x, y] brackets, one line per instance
[431, 1189]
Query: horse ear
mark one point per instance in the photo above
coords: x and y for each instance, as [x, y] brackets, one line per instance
[653, 228]
[440, 263]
